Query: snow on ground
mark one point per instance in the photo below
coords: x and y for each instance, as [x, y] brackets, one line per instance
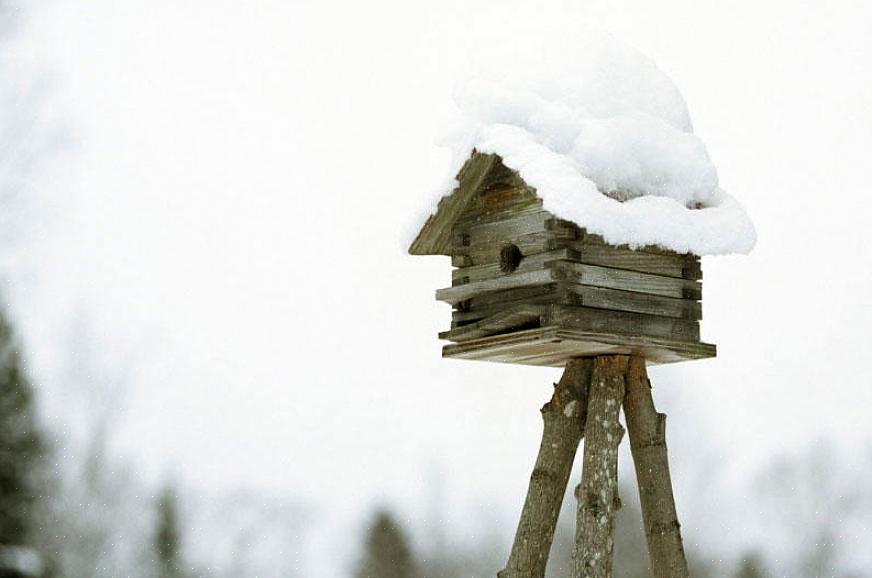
[588, 115]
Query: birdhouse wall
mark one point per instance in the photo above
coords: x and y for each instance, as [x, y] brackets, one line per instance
[521, 270]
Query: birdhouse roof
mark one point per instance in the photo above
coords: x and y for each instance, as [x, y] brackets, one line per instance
[605, 140]
[721, 228]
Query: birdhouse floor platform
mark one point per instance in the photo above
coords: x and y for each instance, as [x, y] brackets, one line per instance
[554, 346]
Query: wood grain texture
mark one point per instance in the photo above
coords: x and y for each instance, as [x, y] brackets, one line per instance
[620, 322]
[516, 279]
[564, 418]
[512, 318]
[528, 263]
[647, 430]
[553, 347]
[597, 493]
[625, 280]
[435, 237]
[670, 265]
[618, 300]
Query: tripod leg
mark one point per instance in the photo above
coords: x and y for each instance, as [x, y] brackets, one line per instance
[647, 430]
[598, 492]
[564, 418]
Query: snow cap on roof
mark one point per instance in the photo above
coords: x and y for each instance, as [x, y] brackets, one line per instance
[605, 138]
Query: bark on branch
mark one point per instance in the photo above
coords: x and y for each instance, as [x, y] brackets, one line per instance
[647, 430]
[564, 419]
[598, 492]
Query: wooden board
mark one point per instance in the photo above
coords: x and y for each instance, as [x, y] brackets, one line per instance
[619, 300]
[435, 237]
[553, 347]
[620, 322]
[597, 276]
[519, 279]
[477, 273]
[675, 265]
[501, 322]
[578, 273]
[578, 318]
[579, 295]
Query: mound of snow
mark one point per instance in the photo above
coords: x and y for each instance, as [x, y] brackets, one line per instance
[605, 139]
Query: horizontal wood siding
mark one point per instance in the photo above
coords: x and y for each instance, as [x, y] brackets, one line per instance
[589, 319]
[553, 347]
[597, 276]
[566, 280]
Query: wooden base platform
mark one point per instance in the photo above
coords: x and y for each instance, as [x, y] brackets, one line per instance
[554, 346]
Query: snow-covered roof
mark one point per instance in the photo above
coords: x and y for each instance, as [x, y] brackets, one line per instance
[605, 139]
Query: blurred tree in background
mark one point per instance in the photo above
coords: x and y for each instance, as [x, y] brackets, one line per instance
[752, 566]
[387, 553]
[23, 448]
[168, 537]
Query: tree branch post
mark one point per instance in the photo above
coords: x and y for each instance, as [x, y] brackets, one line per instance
[647, 430]
[597, 493]
[564, 418]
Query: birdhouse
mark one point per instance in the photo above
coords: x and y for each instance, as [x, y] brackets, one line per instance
[531, 288]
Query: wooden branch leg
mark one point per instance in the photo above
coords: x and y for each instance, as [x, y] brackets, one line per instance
[598, 492]
[564, 419]
[647, 430]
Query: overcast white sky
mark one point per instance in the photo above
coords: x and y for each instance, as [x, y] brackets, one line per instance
[225, 230]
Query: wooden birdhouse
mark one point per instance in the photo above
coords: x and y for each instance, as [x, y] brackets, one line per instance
[534, 289]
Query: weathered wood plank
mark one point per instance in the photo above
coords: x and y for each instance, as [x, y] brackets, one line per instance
[591, 238]
[589, 319]
[501, 231]
[580, 295]
[577, 318]
[493, 270]
[680, 266]
[505, 195]
[511, 318]
[435, 237]
[459, 293]
[553, 347]
[483, 251]
[501, 297]
[545, 295]
[598, 276]
[618, 300]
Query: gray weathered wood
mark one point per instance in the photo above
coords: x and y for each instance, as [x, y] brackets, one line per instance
[579, 295]
[435, 237]
[582, 234]
[548, 296]
[486, 238]
[493, 298]
[501, 200]
[483, 251]
[627, 280]
[553, 347]
[617, 300]
[571, 272]
[501, 322]
[564, 421]
[659, 263]
[492, 270]
[519, 279]
[597, 494]
[647, 430]
[621, 322]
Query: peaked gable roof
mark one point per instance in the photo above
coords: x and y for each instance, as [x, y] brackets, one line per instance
[435, 236]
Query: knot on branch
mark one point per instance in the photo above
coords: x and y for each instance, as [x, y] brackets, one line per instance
[543, 475]
[663, 528]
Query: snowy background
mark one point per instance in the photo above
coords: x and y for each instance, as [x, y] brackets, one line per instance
[205, 257]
